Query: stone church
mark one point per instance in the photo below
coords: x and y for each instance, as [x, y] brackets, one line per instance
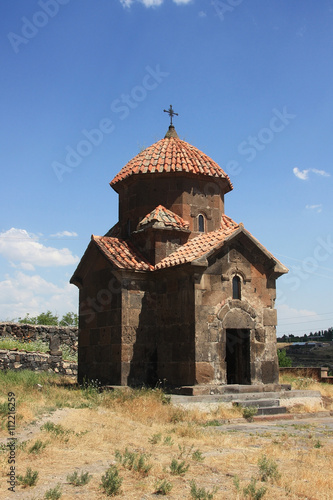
[176, 291]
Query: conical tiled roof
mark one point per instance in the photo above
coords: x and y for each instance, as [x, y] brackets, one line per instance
[163, 218]
[171, 155]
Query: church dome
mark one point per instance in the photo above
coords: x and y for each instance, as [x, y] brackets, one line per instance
[171, 155]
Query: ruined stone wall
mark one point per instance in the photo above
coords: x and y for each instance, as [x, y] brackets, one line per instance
[67, 335]
[36, 361]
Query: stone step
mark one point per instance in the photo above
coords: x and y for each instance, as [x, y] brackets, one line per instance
[206, 390]
[259, 403]
[272, 410]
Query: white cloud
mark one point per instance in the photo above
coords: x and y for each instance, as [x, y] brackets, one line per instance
[18, 246]
[320, 172]
[21, 294]
[296, 321]
[304, 174]
[202, 14]
[126, 3]
[60, 234]
[317, 208]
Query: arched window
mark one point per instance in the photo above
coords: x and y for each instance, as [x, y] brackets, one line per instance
[236, 287]
[201, 223]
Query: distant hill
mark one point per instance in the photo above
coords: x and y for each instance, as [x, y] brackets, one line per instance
[311, 354]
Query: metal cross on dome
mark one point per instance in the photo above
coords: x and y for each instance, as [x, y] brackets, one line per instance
[171, 113]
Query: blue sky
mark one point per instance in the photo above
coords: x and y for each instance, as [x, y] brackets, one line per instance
[84, 85]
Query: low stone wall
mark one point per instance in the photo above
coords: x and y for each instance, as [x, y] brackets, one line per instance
[36, 361]
[65, 335]
[319, 374]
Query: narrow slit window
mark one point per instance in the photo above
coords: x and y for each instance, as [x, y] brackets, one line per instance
[201, 222]
[236, 287]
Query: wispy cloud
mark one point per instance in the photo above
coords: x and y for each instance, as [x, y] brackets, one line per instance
[202, 14]
[304, 174]
[21, 294]
[61, 234]
[318, 208]
[23, 250]
[151, 3]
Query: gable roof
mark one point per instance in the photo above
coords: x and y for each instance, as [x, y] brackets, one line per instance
[122, 254]
[161, 217]
[173, 155]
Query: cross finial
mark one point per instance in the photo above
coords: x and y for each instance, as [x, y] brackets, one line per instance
[171, 113]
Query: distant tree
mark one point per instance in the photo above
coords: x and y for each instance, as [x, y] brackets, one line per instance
[284, 360]
[69, 319]
[47, 319]
[29, 320]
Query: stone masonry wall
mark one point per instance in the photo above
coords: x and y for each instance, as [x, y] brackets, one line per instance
[67, 335]
[36, 361]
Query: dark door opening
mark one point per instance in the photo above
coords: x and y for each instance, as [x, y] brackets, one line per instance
[238, 356]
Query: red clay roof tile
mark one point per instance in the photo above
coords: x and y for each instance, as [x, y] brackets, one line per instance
[168, 154]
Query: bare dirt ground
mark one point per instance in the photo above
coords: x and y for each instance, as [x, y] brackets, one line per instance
[302, 448]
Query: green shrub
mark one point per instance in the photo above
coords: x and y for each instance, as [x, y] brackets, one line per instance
[134, 461]
[178, 468]
[156, 438]
[249, 412]
[56, 429]
[201, 493]
[111, 481]
[77, 480]
[197, 456]
[30, 478]
[168, 441]
[284, 360]
[251, 491]
[37, 447]
[162, 487]
[268, 469]
[53, 493]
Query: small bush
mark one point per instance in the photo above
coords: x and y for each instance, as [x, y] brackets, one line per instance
[268, 469]
[56, 429]
[201, 493]
[111, 481]
[37, 447]
[53, 493]
[178, 468]
[156, 438]
[284, 360]
[163, 487]
[30, 478]
[168, 441]
[249, 412]
[251, 492]
[77, 480]
[197, 456]
[134, 461]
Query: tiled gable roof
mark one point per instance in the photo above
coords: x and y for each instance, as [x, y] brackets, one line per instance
[164, 218]
[200, 246]
[171, 154]
[122, 253]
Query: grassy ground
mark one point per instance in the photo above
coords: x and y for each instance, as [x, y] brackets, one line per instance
[153, 446]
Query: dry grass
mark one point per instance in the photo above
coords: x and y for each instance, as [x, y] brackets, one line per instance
[98, 424]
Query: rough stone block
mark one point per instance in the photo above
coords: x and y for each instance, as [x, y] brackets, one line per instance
[204, 373]
[270, 317]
